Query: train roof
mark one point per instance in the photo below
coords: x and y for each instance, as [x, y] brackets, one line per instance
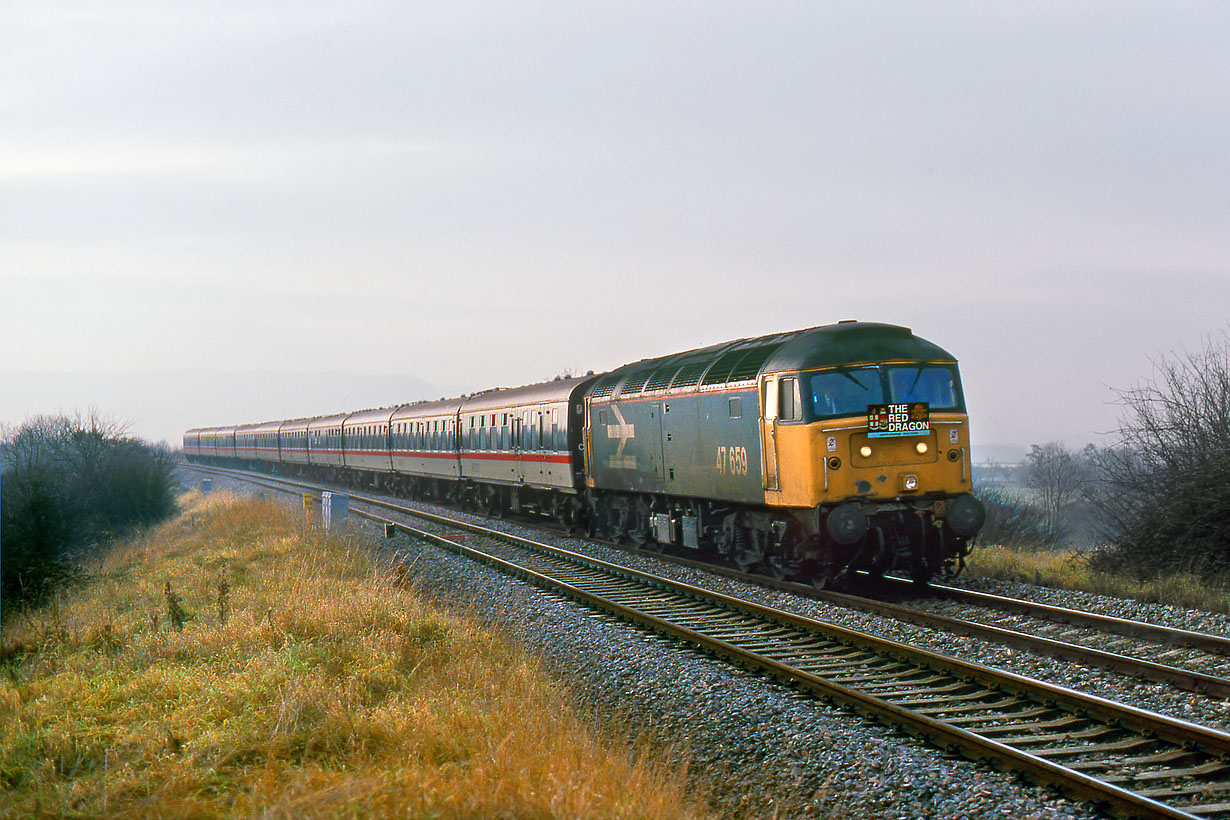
[541, 393]
[379, 415]
[853, 343]
[743, 360]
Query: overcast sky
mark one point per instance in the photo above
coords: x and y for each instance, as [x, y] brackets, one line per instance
[481, 194]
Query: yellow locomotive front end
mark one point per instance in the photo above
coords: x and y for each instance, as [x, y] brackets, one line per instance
[878, 455]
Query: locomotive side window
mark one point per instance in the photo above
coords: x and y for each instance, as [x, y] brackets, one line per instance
[789, 408]
[735, 407]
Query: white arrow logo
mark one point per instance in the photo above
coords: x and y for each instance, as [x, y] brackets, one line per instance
[622, 431]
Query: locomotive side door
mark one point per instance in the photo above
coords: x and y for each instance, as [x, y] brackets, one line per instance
[768, 431]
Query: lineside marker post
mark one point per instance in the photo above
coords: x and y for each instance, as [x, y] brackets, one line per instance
[334, 512]
[307, 508]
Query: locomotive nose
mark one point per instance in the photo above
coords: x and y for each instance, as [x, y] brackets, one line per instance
[966, 515]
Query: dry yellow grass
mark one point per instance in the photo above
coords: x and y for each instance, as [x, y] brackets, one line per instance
[1068, 569]
[312, 685]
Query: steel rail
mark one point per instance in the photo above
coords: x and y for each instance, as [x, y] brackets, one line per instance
[1215, 644]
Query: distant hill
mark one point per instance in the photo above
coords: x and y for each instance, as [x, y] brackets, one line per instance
[998, 453]
[160, 405]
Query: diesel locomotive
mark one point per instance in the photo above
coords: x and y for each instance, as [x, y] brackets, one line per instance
[810, 454]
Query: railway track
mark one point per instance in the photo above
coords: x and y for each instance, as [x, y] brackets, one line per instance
[1186, 660]
[1138, 763]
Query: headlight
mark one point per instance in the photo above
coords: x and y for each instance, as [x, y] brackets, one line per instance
[909, 483]
[864, 451]
[921, 447]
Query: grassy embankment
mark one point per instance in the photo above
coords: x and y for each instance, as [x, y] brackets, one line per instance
[1069, 569]
[305, 682]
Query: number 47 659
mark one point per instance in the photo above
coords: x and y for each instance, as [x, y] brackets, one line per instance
[732, 460]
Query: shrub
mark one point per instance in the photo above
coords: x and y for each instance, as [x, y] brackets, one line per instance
[71, 484]
[1011, 521]
[1164, 494]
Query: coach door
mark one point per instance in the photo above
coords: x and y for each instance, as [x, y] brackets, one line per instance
[768, 431]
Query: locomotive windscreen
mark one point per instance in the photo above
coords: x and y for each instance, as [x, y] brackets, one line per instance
[848, 392]
[935, 384]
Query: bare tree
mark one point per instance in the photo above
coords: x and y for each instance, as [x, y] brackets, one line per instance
[1165, 498]
[1055, 475]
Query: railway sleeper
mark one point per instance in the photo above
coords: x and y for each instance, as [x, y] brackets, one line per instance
[1199, 789]
[940, 712]
[1126, 745]
[968, 697]
[1169, 756]
[917, 692]
[887, 675]
[1091, 732]
[1211, 768]
[1043, 725]
[992, 720]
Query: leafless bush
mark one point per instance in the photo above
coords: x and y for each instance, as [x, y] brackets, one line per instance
[1164, 494]
[1011, 521]
[71, 483]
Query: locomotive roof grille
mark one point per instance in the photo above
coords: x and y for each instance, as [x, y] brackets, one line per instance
[606, 386]
[749, 366]
[689, 375]
[662, 377]
[635, 382]
[740, 364]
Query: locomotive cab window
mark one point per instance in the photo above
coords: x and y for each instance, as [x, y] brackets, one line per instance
[847, 392]
[935, 384]
[789, 408]
[835, 393]
[735, 408]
